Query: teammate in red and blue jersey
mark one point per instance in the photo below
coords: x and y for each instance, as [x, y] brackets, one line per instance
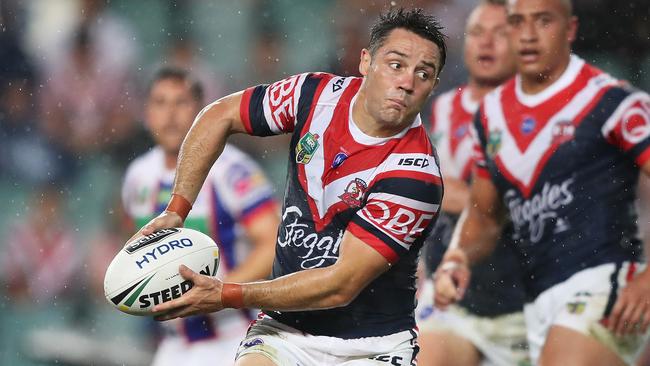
[363, 190]
[487, 326]
[235, 206]
[560, 148]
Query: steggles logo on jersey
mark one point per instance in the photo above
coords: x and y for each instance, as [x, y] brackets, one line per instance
[354, 192]
[494, 143]
[541, 207]
[562, 132]
[306, 148]
[319, 248]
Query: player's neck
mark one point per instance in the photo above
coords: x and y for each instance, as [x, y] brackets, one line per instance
[533, 84]
[478, 90]
[170, 160]
[369, 125]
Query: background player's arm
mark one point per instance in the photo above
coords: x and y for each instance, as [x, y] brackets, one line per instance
[202, 146]
[456, 195]
[319, 288]
[474, 238]
[261, 233]
[631, 312]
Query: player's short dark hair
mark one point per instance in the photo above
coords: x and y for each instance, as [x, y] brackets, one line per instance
[414, 20]
[180, 74]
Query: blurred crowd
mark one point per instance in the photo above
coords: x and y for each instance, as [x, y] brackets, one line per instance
[72, 79]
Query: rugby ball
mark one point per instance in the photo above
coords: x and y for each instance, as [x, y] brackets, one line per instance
[145, 272]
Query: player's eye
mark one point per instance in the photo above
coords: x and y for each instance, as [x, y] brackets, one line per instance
[423, 75]
[395, 65]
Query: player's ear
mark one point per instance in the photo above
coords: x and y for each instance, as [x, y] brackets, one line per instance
[573, 29]
[364, 64]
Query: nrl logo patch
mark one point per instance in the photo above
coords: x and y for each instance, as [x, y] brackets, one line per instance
[306, 148]
[494, 143]
[354, 192]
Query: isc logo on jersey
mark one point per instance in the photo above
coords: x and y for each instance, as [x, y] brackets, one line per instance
[145, 273]
[420, 162]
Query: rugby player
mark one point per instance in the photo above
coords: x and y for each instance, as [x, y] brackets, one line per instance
[487, 326]
[559, 148]
[363, 191]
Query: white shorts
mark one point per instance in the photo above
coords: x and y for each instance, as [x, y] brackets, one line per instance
[579, 303]
[174, 349]
[287, 346]
[501, 340]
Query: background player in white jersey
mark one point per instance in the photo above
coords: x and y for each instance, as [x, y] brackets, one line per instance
[560, 148]
[487, 326]
[363, 190]
[235, 206]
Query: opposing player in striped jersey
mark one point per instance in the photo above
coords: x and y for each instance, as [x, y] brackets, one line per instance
[560, 148]
[487, 326]
[235, 206]
[363, 190]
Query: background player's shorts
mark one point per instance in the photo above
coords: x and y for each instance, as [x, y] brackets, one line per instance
[175, 349]
[501, 340]
[580, 303]
[287, 346]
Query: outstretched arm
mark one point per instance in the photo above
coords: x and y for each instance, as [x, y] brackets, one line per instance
[474, 238]
[313, 289]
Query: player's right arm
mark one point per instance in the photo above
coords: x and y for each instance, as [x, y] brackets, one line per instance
[474, 238]
[262, 110]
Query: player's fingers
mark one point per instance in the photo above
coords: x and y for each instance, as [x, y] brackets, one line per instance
[625, 322]
[615, 315]
[172, 304]
[635, 319]
[188, 274]
[461, 279]
[646, 320]
[173, 314]
[445, 290]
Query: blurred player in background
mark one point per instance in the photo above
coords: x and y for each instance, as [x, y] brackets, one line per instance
[235, 207]
[559, 148]
[488, 324]
[363, 191]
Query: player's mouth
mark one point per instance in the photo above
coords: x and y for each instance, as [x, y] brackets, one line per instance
[397, 103]
[529, 55]
[486, 60]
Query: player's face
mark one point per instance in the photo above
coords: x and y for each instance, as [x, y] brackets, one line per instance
[540, 32]
[488, 55]
[399, 77]
[170, 112]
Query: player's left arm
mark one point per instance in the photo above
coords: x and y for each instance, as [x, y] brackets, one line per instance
[629, 128]
[319, 288]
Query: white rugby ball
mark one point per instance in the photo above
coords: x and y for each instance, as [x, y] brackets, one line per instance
[145, 272]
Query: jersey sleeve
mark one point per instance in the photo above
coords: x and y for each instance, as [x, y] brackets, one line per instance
[273, 109]
[628, 127]
[478, 145]
[128, 193]
[246, 189]
[399, 210]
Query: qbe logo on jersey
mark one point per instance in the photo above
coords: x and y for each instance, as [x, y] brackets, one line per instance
[403, 224]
